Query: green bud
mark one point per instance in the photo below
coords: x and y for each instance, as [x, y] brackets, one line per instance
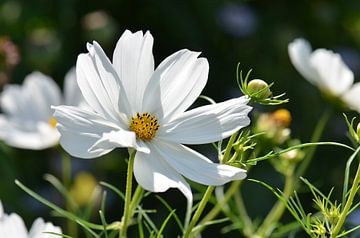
[358, 130]
[259, 89]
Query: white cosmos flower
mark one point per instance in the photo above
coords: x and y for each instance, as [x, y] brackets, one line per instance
[135, 106]
[27, 121]
[12, 226]
[326, 70]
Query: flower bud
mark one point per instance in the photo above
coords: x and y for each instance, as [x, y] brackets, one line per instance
[358, 130]
[259, 89]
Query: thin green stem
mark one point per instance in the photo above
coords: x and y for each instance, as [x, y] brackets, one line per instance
[345, 211]
[244, 217]
[66, 179]
[136, 199]
[232, 139]
[218, 207]
[319, 129]
[126, 217]
[277, 210]
[199, 211]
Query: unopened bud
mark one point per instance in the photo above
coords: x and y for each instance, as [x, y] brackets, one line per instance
[358, 130]
[259, 89]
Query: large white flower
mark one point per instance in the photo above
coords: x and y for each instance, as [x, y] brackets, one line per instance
[27, 121]
[12, 226]
[135, 106]
[326, 70]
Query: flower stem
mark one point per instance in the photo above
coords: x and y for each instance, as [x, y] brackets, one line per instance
[127, 206]
[199, 210]
[66, 179]
[349, 201]
[278, 209]
[319, 129]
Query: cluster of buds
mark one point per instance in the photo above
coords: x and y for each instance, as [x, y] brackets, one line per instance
[275, 125]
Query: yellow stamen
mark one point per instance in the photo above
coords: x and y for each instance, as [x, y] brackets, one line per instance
[144, 125]
[52, 121]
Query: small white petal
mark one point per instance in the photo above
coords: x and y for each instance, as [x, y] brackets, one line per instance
[100, 85]
[120, 138]
[154, 174]
[39, 229]
[300, 52]
[207, 123]
[175, 84]
[134, 62]
[352, 97]
[81, 129]
[334, 76]
[195, 166]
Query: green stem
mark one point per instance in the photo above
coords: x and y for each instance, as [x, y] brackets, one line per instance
[136, 199]
[244, 217]
[277, 210]
[232, 139]
[319, 129]
[199, 210]
[218, 207]
[66, 179]
[127, 205]
[349, 201]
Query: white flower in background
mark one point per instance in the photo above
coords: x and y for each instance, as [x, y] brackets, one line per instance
[138, 107]
[326, 70]
[12, 226]
[27, 121]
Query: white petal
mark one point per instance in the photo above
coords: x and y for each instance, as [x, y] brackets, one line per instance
[195, 166]
[28, 135]
[352, 97]
[100, 85]
[81, 129]
[207, 123]
[134, 62]
[11, 225]
[176, 84]
[33, 99]
[120, 138]
[334, 76]
[154, 174]
[300, 52]
[39, 227]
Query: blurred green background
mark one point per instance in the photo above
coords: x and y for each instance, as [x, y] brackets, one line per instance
[50, 34]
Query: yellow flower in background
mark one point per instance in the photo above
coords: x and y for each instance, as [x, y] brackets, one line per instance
[275, 125]
[85, 189]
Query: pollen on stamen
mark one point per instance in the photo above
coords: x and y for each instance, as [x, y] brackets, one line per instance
[144, 125]
[52, 122]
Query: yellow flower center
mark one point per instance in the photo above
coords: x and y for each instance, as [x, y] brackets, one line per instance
[52, 122]
[144, 125]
